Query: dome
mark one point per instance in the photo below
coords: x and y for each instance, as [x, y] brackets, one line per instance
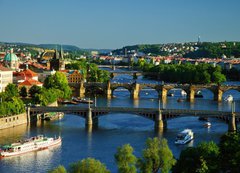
[10, 57]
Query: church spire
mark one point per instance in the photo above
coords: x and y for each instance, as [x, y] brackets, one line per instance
[56, 53]
[61, 53]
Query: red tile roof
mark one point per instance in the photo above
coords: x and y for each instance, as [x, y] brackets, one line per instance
[27, 73]
[30, 82]
[2, 68]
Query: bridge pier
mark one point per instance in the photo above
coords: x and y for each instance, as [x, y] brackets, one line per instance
[191, 94]
[218, 95]
[82, 90]
[163, 94]
[232, 123]
[109, 91]
[90, 121]
[28, 115]
[135, 91]
[160, 124]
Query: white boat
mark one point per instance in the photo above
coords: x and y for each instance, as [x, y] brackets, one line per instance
[229, 98]
[184, 137]
[183, 93]
[170, 94]
[198, 94]
[207, 124]
[33, 144]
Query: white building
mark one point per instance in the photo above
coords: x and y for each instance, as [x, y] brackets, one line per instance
[6, 77]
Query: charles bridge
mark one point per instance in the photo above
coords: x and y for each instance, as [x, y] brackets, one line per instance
[159, 116]
[80, 89]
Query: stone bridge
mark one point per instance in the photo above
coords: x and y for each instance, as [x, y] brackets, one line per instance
[162, 89]
[134, 74]
[159, 116]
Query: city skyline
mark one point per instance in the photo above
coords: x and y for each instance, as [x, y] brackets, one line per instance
[111, 25]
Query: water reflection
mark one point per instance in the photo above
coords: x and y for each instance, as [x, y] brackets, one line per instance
[136, 103]
[13, 134]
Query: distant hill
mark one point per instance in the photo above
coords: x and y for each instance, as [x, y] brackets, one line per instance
[65, 47]
[53, 46]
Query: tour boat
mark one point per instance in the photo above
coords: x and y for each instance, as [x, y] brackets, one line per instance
[229, 98]
[184, 137]
[39, 142]
[207, 124]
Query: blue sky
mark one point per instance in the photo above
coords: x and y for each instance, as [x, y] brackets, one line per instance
[117, 23]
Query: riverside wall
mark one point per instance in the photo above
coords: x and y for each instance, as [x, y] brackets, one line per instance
[12, 121]
[15, 120]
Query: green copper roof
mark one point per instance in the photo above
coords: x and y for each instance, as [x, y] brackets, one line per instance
[10, 57]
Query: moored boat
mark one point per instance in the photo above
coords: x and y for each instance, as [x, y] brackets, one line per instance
[228, 98]
[82, 100]
[184, 137]
[198, 94]
[207, 124]
[180, 100]
[39, 142]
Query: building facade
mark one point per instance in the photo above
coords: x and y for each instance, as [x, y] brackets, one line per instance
[6, 77]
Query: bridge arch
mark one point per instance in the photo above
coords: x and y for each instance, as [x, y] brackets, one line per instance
[125, 90]
[206, 93]
[95, 90]
[148, 90]
[233, 92]
[177, 92]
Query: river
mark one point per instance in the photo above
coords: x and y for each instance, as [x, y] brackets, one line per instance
[114, 130]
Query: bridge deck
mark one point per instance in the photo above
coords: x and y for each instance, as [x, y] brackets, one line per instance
[209, 113]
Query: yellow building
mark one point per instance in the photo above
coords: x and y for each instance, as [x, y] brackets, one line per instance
[48, 54]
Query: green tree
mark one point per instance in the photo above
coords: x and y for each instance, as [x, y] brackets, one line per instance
[11, 90]
[218, 77]
[23, 92]
[59, 169]
[34, 90]
[203, 158]
[58, 81]
[156, 156]
[125, 159]
[230, 152]
[88, 165]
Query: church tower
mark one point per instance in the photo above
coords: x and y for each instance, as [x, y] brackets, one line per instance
[62, 63]
[57, 62]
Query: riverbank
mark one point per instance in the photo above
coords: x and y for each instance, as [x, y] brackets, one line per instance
[12, 121]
